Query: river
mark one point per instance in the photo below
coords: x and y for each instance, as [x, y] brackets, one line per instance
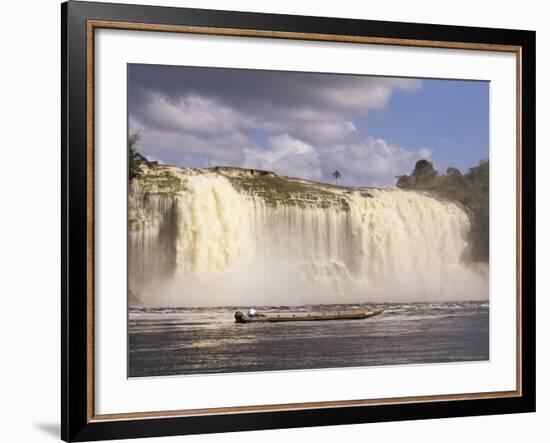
[187, 341]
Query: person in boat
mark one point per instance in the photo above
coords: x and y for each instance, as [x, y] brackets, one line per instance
[252, 312]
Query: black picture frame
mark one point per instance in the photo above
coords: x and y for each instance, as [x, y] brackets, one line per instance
[77, 423]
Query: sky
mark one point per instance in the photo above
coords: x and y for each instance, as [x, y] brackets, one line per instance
[307, 125]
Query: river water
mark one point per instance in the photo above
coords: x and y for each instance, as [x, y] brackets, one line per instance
[207, 340]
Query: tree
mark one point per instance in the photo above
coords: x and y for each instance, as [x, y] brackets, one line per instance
[424, 172]
[336, 174]
[453, 172]
[134, 157]
[133, 140]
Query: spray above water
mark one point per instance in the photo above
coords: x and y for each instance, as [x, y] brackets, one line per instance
[231, 237]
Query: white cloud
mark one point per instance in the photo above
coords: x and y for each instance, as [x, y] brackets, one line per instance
[316, 109]
[326, 132]
[286, 156]
[370, 162]
[193, 114]
[178, 148]
[308, 122]
[425, 152]
[362, 95]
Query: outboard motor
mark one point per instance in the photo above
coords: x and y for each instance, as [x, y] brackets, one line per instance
[239, 317]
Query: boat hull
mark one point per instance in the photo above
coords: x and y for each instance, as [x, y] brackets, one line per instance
[310, 317]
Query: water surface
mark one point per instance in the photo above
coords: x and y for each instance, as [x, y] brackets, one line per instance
[207, 340]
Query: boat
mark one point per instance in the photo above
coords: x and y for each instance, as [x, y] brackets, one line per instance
[317, 316]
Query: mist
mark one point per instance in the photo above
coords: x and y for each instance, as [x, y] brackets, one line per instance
[208, 240]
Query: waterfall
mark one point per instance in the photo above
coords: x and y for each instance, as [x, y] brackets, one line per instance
[208, 241]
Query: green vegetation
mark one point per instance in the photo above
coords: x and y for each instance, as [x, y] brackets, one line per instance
[471, 190]
[134, 157]
[275, 189]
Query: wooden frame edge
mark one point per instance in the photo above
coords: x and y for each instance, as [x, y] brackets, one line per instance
[92, 25]
[302, 406]
[258, 33]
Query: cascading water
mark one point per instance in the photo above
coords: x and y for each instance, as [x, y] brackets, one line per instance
[204, 238]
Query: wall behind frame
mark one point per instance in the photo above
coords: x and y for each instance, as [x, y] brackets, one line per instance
[29, 234]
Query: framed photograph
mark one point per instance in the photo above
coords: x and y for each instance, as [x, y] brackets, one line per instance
[277, 221]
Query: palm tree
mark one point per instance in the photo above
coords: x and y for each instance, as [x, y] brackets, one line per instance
[336, 174]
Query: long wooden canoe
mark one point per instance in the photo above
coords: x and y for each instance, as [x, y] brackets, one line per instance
[319, 316]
